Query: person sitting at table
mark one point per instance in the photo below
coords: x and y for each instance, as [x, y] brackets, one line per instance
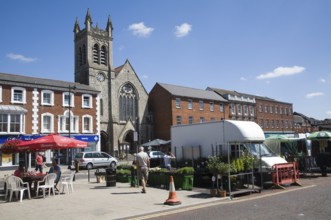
[55, 169]
[20, 171]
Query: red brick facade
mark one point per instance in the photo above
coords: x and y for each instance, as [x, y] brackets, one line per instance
[164, 107]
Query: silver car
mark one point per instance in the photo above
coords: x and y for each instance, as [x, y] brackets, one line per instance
[94, 159]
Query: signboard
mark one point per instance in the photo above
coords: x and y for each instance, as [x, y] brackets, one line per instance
[7, 160]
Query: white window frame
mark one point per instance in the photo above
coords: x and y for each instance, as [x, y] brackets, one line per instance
[201, 105]
[72, 99]
[245, 110]
[261, 123]
[252, 111]
[190, 104]
[221, 107]
[23, 95]
[90, 105]
[177, 102]
[90, 130]
[240, 109]
[43, 129]
[211, 106]
[179, 120]
[233, 109]
[22, 123]
[62, 120]
[52, 97]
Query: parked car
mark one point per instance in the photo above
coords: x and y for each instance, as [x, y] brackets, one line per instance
[155, 154]
[94, 159]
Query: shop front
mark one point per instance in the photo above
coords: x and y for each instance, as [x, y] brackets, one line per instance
[11, 161]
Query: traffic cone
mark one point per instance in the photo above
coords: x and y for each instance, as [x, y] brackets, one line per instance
[172, 200]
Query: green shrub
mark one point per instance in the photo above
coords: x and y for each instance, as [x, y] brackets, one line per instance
[185, 170]
[124, 167]
[123, 172]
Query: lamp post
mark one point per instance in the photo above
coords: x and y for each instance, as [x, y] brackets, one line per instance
[69, 153]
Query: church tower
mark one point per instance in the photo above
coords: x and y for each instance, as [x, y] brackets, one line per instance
[123, 99]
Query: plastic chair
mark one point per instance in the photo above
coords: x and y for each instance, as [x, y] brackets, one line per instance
[68, 183]
[47, 183]
[16, 184]
[3, 188]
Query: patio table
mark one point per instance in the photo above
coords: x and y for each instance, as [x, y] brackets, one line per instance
[32, 180]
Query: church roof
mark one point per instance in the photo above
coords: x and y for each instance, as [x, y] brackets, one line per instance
[192, 92]
[27, 81]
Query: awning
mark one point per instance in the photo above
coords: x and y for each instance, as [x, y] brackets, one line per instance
[12, 109]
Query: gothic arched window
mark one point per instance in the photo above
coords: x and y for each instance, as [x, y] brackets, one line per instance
[84, 54]
[103, 55]
[96, 53]
[80, 57]
[128, 103]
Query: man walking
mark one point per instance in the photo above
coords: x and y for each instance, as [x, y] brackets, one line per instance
[143, 164]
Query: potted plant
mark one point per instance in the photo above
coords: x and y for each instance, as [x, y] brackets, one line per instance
[218, 169]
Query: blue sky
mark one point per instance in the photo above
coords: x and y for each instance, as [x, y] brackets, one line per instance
[275, 48]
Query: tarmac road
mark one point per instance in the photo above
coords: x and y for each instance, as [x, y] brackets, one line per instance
[96, 201]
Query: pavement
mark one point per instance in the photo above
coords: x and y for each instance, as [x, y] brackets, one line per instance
[97, 201]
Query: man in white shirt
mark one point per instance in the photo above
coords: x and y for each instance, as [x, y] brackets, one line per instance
[142, 162]
[167, 160]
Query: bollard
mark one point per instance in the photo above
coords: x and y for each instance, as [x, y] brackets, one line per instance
[76, 166]
[133, 177]
[88, 175]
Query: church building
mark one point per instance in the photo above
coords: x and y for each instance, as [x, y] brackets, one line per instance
[123, 99]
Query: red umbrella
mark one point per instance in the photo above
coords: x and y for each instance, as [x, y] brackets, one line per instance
[51, 142]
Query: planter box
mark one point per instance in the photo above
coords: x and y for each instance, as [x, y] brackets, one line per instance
[161, 180]
[122, 178]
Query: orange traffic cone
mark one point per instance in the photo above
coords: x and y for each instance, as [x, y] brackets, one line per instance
[172, 200]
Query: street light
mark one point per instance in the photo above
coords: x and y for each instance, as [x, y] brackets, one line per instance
[69, 133]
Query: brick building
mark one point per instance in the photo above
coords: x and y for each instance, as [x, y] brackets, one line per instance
[31, 107]
[174, 105]
[272, 115]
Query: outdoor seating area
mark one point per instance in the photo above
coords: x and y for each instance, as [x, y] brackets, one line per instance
[35, 181]
[34, 185]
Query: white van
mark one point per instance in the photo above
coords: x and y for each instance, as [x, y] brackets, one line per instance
[226, 138]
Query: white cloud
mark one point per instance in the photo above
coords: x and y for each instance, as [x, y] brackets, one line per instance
[121, 48]
[21, 58]
[322, 80]
[140, 30]
[314, 94]
[282, 71]
[328, 112]
[243, 78]
[183, 30]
